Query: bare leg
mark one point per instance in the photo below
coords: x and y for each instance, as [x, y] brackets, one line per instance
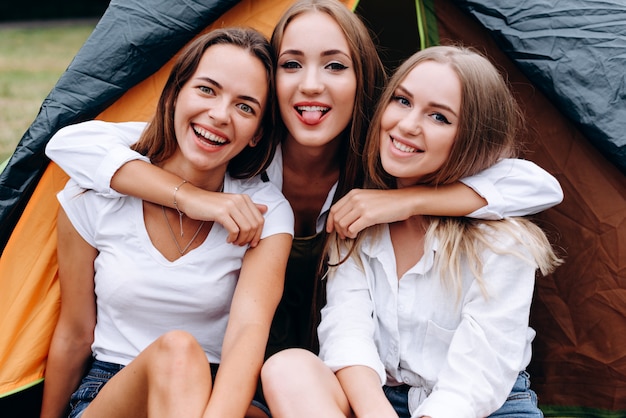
[170, 378]
[296, 383]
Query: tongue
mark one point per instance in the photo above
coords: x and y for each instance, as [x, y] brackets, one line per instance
[312, 117]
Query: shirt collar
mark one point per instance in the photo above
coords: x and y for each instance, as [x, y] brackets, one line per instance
[377, 244]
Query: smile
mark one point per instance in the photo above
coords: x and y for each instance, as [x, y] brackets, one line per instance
[302, 109]
[209, 137]
[403, 147]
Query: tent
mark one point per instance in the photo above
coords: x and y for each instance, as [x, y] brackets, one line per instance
[565, 61]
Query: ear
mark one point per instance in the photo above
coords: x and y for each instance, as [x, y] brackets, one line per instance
[256, 138]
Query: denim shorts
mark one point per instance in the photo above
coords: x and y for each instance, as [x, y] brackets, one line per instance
[522, 401]
[100, 373]
[398, 397]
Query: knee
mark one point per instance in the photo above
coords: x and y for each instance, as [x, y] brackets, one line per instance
[296, 380]
[285, 365]
[177, 341]
[179, 350]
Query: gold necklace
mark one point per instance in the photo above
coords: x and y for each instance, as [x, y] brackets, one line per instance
[169, 227]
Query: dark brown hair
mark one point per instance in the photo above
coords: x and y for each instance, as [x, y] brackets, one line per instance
[158, 141]
[370, 78]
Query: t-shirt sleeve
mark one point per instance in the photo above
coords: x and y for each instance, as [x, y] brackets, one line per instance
[75, 202]
[279, 218]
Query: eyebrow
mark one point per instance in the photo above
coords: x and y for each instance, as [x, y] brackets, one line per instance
[219, 86]
[327, 53]
[434, 104]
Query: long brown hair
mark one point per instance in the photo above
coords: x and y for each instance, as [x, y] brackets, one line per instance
[158, 140]
[370, 78]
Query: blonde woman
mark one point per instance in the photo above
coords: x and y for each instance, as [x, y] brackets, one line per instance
[426, 317]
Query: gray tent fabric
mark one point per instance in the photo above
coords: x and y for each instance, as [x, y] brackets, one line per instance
[132, 40]
[575, 52]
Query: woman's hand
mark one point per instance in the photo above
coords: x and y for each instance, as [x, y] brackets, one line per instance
[237, 213]
[242, 218]
[362, 208]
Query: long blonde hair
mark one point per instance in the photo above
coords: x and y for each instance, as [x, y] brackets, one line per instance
[488, 123]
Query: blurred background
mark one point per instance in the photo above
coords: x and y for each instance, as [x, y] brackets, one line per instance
[38, 40]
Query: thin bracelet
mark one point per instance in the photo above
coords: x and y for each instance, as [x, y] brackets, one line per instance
[180, 214]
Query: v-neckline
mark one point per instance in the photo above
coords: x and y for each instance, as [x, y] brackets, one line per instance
[138, 211]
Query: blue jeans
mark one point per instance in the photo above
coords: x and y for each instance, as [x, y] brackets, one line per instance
[522, 401]
[99, 373]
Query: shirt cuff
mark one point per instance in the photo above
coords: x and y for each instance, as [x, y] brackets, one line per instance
[344, 355]
[444, 405]
[109, 166]
[494, 210]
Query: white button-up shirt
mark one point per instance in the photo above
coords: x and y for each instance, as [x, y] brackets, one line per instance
[463, 355]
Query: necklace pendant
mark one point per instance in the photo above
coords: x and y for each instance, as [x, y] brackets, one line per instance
[169, 227]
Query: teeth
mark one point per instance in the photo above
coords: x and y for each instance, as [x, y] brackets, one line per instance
[208, 135]
[403, 147]
[312, 109]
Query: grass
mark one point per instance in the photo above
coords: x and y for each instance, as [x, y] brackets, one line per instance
[32, 58]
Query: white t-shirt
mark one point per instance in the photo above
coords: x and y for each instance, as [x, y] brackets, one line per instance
[91, 152]
[141, 295]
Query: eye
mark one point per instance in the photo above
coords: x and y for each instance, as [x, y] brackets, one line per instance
[246, 108]
[336, 66]
[206, 90]
[440, 118]
[290, 65]
[403, 101]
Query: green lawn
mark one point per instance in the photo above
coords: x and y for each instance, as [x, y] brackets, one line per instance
[31, 61]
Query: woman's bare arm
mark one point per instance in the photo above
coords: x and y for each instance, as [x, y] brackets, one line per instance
[511, 187]
[242, 218]
[256, 297]
[71, 343]
[362, 208]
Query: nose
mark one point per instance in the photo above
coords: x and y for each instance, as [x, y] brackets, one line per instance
[411, 124]
[219, 112]
[311, 82]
